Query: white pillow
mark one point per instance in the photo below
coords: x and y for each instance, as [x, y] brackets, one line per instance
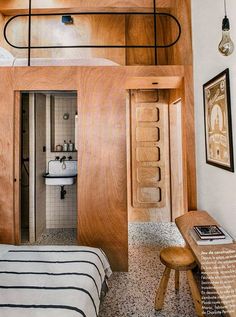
[5, 54]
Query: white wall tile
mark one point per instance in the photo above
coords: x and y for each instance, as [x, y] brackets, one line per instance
[61, 213]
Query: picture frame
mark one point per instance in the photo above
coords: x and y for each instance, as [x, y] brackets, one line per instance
[218, 122]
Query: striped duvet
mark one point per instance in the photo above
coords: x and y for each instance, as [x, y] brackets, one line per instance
[51, 281]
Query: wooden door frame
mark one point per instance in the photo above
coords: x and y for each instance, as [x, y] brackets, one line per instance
[17, 144]
[147, 211]
[182, 200]
[175, 85]
[17, 167]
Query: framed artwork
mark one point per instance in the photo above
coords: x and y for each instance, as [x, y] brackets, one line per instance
[218, 124]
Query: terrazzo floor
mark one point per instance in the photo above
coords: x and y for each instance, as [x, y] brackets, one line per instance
[133, 293]
[57, 237]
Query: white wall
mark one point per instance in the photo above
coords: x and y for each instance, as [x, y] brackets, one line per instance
[216, 187]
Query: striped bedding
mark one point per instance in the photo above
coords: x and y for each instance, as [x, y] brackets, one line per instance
[51, 281]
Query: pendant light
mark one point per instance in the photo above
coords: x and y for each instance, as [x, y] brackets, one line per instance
[226, 46]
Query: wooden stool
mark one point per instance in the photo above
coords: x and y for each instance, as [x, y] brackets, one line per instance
[178, 259]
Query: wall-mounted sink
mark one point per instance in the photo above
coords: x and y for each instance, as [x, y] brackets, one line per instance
[61, 173]
[59, 180]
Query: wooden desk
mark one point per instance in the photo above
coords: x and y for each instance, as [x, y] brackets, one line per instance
[184, 224]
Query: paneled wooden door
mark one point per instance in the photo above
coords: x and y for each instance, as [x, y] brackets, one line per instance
[149, 156]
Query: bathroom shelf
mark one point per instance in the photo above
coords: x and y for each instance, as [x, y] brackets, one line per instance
[63, 151]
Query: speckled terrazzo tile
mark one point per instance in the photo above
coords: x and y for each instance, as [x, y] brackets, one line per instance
[57, 237]
[133, 293]
[158, 234]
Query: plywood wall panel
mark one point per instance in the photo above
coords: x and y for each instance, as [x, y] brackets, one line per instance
[181, 53]
[44, 78]
[178, 175]
[2, 22]
[139, 31]
[15, 6]
[164, 29]
[102, 168]
[188, 129]
[102, 189]
[102, 30]
[189, 125]
[86, 30]
[6, 158]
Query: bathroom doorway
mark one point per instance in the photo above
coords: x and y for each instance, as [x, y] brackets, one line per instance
[48, 155]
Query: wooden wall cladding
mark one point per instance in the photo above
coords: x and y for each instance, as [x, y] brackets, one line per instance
[86, 30]
[189, 128]
[185, 93]
[2, 21]
[102, 174]
[139, 31]
[102, 169]
[181, 53]
[178, 199]
[7, 119]
[99, 30]
[12, 7]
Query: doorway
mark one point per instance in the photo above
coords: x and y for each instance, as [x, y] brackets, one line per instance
[48, 169]
[155, 165]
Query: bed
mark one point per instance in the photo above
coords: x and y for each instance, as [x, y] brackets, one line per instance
[7, 59]
[52, 281]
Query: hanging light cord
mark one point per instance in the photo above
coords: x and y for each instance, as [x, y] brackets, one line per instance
[225, 7]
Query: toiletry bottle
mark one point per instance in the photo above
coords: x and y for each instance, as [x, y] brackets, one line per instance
[71, 146]
[65, 146]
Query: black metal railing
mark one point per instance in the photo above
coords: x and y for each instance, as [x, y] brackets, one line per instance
[155, 45]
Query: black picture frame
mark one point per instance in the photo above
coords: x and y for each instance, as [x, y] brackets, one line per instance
[218, 122]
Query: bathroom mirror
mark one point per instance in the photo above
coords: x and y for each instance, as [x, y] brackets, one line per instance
[63, 114]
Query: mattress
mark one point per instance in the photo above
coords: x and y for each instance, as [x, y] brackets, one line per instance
[52, 281]
[6, 62]
[58, 62]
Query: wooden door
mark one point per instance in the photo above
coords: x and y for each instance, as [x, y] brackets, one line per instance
[40, 164]
[150, 177]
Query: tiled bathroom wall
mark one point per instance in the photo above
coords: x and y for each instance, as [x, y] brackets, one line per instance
[64, 125]
[61, 213]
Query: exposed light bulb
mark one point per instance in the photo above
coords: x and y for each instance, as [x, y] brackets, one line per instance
[226, 46]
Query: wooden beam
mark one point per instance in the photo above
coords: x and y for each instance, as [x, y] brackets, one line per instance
[14, 7]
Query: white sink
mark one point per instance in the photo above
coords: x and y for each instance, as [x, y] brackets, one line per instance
[59, 181]
[61, 173]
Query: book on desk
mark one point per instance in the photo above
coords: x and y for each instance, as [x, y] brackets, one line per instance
[210, 235]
